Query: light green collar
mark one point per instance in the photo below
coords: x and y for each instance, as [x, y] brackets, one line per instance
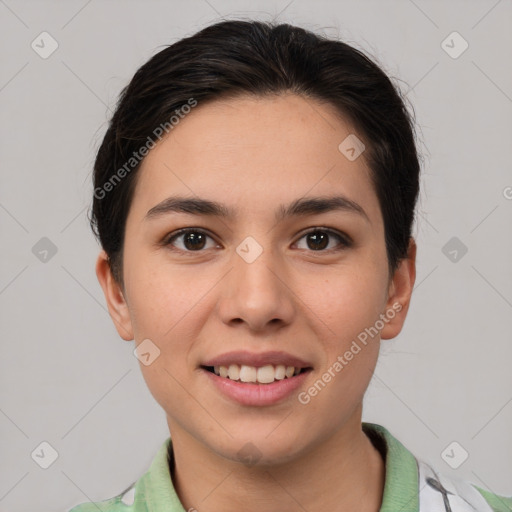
[155, 491]
[401, 482]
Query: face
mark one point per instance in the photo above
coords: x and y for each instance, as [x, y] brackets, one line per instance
[264, 278]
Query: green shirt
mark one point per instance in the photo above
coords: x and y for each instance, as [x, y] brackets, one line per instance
[410, 485]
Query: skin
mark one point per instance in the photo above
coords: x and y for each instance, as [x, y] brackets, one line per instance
[253, 154]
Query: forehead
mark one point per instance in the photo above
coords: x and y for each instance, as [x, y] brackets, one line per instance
[255, 151]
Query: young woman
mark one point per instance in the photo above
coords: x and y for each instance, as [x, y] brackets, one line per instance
[254, 198]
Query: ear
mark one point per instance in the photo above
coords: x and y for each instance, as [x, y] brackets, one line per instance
[399, 293]
[116, 303]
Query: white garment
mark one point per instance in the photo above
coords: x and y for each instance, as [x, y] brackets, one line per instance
[439, 493]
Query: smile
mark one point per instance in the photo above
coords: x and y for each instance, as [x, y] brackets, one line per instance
[262, 385]
[252, 374]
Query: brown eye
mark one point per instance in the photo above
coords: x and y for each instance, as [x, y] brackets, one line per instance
[319, 239]
[192, 240]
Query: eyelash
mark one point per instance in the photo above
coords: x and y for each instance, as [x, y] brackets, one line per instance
[344, 240]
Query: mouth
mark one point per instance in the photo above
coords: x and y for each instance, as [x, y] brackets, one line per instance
[266, 374]
[256, 379]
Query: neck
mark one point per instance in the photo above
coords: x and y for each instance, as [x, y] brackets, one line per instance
[344, 472]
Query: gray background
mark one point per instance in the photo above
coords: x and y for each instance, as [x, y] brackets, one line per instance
[66, 376]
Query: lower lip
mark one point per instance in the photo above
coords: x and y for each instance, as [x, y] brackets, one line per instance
[257, 394]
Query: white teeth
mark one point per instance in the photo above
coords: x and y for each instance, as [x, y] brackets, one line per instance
[234, 372]
[248, 373]
[263, 375]
[280, 372]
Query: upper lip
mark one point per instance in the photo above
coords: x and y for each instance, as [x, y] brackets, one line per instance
[257, 359]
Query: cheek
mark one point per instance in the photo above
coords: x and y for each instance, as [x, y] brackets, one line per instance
[163, 309]
[159, 296]
[347, 301]
[169, 306]
[348, 306]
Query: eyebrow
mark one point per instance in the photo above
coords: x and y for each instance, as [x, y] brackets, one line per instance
[299, 207]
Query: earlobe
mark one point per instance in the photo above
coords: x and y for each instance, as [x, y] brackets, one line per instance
[399, 294]
[116, 303]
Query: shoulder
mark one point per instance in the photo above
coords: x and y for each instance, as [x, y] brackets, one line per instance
[155, 484]
[119, 503]
[440, 492]
[416, 486]
[497, 502]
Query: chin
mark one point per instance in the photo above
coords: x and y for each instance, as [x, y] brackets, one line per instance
[262, 446]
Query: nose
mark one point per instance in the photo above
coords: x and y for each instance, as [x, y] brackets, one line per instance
[257, 294]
